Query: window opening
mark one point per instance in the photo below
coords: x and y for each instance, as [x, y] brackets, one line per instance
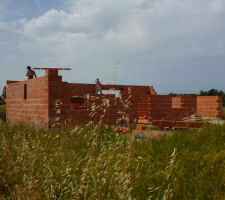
[25, 91]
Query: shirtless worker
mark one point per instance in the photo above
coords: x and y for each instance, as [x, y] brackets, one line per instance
[98, 86]
[30, 73]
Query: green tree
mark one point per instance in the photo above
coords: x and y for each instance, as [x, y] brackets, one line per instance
[3, 96]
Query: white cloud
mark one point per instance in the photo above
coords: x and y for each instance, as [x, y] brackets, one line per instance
[130, 20]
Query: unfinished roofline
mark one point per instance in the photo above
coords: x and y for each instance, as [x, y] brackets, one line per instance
[9, 81]
[52, 68]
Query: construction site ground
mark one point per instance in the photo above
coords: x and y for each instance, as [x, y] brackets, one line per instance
[151, 131]
[149, 134]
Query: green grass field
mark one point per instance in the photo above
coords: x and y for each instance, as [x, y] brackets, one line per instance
[77, 163]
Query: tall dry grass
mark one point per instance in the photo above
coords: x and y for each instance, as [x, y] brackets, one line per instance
[67, 164]
[76, 163]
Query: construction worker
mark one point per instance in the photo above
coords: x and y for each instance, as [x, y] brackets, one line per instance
[98, 86]
[30, 73]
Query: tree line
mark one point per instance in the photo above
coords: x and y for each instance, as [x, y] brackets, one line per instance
[3, 96]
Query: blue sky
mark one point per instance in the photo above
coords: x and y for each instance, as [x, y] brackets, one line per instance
[176, 46]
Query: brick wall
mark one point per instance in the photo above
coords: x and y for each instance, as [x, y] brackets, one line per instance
[33, 102]
[64, 91]
[176, 102]
[39, 106]
[27, 102]
[55, 93]
[175, 108]
[160, 107]
[210, 106]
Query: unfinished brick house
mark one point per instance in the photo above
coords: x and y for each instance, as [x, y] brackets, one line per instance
[33, 102]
